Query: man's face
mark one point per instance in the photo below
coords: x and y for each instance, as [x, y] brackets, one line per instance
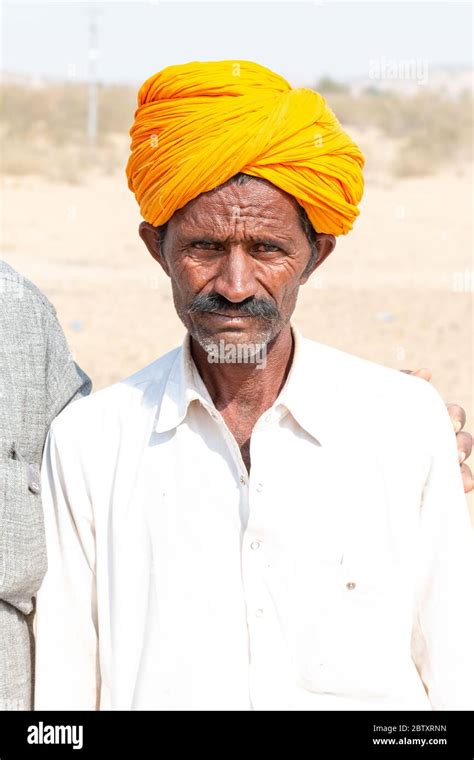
[236, 257]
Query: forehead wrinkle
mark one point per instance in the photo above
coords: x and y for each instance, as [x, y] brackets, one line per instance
[249, 208]
[260, 211]
[256, 218]
[253, 198]
[247, 228]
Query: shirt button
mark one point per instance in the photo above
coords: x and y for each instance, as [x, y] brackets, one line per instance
[242, 480]
[259, 487]
[268, 418]
[255, 545]
[34, 486]
[214, 415]
[350, 586]
[259, 613]
[33, 482]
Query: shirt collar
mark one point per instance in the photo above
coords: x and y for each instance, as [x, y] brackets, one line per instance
[310, 389]
[184, 385]
[308, 394]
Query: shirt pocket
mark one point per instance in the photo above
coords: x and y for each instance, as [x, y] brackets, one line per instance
[353, 639]
[22, 537]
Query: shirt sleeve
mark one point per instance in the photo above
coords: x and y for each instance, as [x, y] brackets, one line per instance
[66, 626]
[66, 381]
[443, 632]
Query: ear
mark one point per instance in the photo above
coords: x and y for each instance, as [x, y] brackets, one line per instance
[325, 245]
[151, 237]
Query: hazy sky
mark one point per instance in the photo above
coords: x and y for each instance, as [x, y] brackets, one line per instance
[301, 40]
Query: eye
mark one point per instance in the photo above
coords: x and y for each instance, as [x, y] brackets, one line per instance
[205, 245]
[266, 248]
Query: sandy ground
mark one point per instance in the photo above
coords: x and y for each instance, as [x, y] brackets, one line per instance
[397, 290]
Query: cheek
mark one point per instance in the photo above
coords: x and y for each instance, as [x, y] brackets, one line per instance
[284, 271]
[190, 275]
[289, 297]
[281, 282]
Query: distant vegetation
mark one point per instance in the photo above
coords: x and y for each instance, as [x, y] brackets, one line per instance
[44, 129]
[430, 129]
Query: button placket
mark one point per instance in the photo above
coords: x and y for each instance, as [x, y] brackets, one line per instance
[260, 614]
[253, 567]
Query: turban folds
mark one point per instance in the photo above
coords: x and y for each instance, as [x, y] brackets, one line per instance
[198, 124]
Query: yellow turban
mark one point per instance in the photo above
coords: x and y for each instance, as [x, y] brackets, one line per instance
[198, 124]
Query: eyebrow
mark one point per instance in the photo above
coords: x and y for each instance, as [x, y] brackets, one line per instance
[264, 239]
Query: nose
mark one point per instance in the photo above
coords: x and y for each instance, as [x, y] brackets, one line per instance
[236, 278]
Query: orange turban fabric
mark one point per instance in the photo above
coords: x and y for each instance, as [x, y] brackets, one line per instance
[198, 124]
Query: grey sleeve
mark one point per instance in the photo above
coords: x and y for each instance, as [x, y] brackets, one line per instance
[38, 378]
[65, 380]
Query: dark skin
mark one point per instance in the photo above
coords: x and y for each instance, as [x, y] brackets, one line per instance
[244, 242]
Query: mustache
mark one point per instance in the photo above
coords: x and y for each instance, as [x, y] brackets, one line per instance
[249, 307]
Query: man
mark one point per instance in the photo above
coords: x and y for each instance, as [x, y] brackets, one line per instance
[205, 550]
[38, 378]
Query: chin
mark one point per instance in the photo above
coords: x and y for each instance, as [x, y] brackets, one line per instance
[217, 339]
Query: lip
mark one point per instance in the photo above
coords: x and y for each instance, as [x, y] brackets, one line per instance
[229, 317]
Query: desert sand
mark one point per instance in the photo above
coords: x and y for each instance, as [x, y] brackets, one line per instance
[397, 290]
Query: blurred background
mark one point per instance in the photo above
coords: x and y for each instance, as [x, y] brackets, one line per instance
[398, 288]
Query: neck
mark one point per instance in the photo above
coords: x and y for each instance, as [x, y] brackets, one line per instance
[250, 387]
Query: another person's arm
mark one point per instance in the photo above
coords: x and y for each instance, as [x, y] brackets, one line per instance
[443, 632]
[66, 381]
[463, 437]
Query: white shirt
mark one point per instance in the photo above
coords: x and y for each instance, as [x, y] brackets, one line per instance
[338, 576]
